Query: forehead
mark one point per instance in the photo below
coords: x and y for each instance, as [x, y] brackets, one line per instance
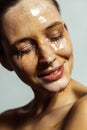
[30, 7]
[29, 15]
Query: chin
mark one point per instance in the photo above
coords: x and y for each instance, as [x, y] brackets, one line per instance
[56, 86]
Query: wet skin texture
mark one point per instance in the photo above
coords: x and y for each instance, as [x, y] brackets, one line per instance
[38, 48]
[40, 43]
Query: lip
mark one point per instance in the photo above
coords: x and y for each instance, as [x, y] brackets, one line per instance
[52, 75]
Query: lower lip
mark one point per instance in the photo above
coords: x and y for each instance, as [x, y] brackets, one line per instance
[54, 76]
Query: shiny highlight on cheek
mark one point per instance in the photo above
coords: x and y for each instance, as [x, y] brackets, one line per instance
[62, 47]
[54, 46]
[59, 45]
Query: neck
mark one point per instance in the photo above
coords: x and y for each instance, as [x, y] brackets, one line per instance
[42, 99]
[46, 100]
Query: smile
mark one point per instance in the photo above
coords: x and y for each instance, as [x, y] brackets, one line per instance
[52, 75]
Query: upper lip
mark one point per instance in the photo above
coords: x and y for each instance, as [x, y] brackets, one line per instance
[48, 72]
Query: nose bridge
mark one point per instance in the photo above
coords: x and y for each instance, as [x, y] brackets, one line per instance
[45, 50]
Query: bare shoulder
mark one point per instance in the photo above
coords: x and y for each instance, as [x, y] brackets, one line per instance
[78, 87]
[77, 117]
[15, 117]
[80, 107]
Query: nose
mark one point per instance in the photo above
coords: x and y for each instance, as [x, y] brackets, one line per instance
[46, 56]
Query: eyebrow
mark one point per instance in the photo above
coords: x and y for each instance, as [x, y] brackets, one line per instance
[20, 40]
[52, 25]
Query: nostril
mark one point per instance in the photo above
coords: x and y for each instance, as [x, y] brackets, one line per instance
[45, 63]
[46, 57]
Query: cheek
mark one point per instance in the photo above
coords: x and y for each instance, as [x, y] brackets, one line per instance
[63, 48]
[16, 62]
[29, 64]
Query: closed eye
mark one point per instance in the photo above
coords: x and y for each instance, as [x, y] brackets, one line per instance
[55, 32]
[25, 46]
[25, 51]
[57, 38]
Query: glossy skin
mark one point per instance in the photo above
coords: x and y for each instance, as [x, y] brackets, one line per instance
[38, 48]
[42, 48]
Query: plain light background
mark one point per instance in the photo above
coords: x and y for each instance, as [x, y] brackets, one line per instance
[14, 93]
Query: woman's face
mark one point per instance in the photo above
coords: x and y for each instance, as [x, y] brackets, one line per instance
[38, 45]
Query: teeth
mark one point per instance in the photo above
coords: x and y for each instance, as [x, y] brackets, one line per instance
[56, 72]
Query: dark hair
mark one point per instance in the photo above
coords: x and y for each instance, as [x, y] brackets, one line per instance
[5, 4]
[57, 5]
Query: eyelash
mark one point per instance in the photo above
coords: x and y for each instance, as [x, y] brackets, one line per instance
[25, 51]
[58, 38]
[21, 53]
